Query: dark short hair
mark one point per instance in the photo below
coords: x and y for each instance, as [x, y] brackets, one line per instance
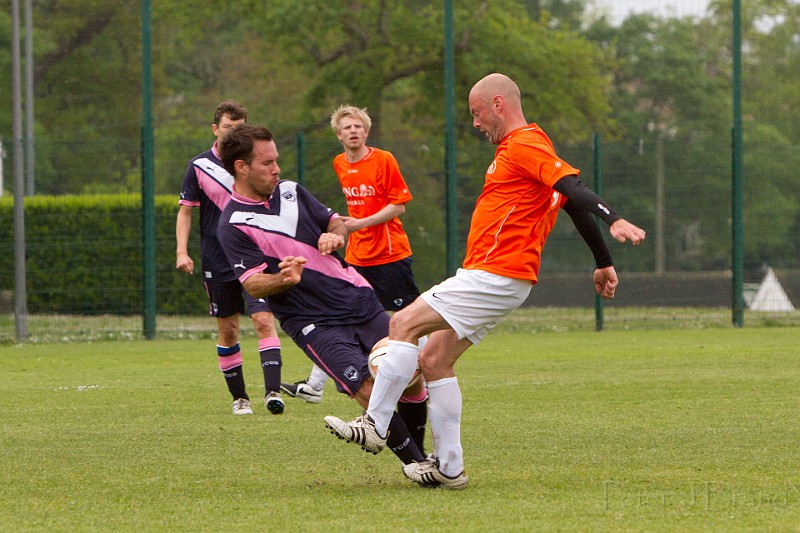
[238, 145]
[234, 110]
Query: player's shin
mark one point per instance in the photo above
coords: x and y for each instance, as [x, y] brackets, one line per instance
[396, 370]
[444, 417]
[269, 350]
[414, 411]
[401, 443]
[230, 363]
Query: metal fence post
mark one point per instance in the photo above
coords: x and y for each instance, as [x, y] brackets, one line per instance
[737, 236]
[148, 184]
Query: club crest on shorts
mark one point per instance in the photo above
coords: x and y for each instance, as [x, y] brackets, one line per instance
[350, 373]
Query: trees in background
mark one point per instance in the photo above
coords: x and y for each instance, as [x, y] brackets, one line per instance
[658, 90]
[672, 109]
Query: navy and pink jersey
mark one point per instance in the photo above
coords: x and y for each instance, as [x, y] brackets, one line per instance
[208, 185]
[256, 236]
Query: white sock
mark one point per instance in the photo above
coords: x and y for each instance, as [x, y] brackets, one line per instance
[317, 378]
[396, 370]
[444, 417]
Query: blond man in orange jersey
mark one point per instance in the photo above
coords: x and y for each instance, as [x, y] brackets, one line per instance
[377, 246]
[525, 187]
[376, 196]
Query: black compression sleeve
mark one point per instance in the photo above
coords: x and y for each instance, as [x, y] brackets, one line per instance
[584, 198]
[590, 232]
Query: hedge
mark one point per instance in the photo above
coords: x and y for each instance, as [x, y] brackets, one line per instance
[84, 255]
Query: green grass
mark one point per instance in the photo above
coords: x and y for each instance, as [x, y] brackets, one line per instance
[661, 430]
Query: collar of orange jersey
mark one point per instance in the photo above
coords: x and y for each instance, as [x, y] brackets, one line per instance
[527, 127]
[370, 151]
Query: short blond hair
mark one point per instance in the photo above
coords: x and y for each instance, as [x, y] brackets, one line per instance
[346, 111]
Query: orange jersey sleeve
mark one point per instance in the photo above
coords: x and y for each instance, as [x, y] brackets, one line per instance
[369, 185]
[518, 207]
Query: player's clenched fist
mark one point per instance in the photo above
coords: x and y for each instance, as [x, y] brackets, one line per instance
[605, 282]
[330, 242]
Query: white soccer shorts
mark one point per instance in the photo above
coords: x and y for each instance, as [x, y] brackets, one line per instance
[473, 301]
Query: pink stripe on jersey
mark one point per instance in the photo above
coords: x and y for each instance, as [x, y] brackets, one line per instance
[217, 192]
[230, 361]
[280, 246]
[270, 343]
[187, 202]
[255, 270]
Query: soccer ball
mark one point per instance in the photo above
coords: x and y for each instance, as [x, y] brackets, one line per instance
[378, 351]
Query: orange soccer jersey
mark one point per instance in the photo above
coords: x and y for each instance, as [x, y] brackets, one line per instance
[518, 206]
[368, 186]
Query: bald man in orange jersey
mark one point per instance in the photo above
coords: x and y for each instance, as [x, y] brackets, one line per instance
[525, 187]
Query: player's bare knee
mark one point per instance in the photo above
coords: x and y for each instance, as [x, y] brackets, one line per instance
[402, 326]
[426, 363]
[264, 325]
[435, 362]
[228, 330]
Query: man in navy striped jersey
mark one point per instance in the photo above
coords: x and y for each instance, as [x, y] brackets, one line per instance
[281, 242]
[208, 186]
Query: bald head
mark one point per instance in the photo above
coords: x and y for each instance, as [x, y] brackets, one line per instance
[497, 85]
[496, 106]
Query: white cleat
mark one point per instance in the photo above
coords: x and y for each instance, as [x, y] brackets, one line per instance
[274, 403]
[241, 406]
[360, 431]
[410, 470]
[427, 474]
[302, 390]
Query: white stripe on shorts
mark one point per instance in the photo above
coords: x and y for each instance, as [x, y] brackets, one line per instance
[473, 301]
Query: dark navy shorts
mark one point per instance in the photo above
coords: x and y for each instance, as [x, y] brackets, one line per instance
[227, 298]
[341, 351]
[393, 283]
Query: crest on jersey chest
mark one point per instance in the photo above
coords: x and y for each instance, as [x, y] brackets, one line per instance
[284, 221]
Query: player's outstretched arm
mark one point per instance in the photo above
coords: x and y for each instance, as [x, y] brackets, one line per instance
[290, 273]
[386, 213]
[590, 233]
[584, 198]
[605, 277]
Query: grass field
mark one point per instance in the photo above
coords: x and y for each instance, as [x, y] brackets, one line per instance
[667, 430]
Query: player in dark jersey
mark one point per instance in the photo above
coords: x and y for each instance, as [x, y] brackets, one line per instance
[377, 245]
[208, 186]
[282, 242]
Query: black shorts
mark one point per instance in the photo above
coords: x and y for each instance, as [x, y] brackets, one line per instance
[341, 351]
[227, 298]
[393, 283]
